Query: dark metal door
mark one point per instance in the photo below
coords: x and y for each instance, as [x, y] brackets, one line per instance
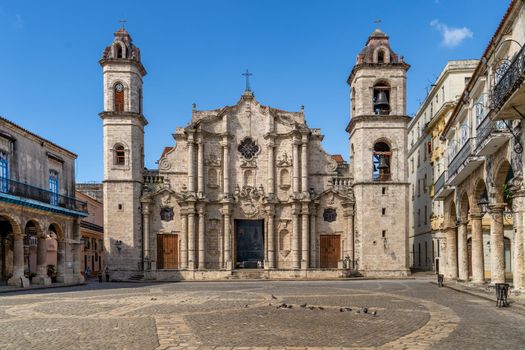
[330, 251]
[249, 239]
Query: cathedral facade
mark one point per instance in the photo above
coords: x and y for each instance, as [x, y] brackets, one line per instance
[247, 190]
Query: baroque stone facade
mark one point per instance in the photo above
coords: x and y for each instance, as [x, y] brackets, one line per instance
[250, 187]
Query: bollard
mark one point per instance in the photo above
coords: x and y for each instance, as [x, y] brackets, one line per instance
[440, 280]
[502, 291]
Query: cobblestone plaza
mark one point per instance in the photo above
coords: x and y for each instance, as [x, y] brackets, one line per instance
[401, 314]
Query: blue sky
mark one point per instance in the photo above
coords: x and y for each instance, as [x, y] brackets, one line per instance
[300, 52]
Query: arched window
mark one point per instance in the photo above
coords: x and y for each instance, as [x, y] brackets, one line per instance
[381, 56]
[4, 172]
[118, 51]
[381, 99]
[120, 155]
[53, 187]
[381, 162]
[118, 91]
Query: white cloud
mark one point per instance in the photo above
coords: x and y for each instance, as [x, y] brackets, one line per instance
[451, 36]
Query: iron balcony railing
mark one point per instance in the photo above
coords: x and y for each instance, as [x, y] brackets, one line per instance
[510, 81]
[31, 192]
[460, 158]
[488, 127]
[438, 185]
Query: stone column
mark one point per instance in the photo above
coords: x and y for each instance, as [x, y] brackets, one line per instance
[191, 163]
[452, 260]
[225, 167]
[61, 260]
[519, 261]
[478, 269]
[350, 236]
[227, 239]
[191, 238]
[271, 167]
[145, 234]
[296, 234]
[75, 252]
[462, 251]
[497, 255]
[296, 184]
[304, 164]
[18, 279]
[313, 237]
[202, 239]
[200, 167]
[305, 263]
[271, 235]
[41, 259]
[184, 241]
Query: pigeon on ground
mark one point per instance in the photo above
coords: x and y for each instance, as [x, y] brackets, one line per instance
[365, 310]
[303, 305]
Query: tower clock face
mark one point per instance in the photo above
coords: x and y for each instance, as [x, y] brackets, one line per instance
[119, 87]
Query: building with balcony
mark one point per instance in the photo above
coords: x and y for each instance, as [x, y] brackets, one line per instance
[39, 214]
[426, 162]
[92, 229]
[484, 200]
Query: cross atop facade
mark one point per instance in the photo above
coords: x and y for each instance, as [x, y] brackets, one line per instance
[122, 21]
[247, 74]
[377, 21]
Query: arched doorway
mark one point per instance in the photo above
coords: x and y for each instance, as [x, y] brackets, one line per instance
[6, 249]
[469, 257]
[507, 257]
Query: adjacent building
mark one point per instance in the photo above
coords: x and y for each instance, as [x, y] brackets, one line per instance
[39, 214]
[92, 229]
[483, 193]
[426, 162]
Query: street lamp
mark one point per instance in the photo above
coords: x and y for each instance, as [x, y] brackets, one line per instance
[483, 202]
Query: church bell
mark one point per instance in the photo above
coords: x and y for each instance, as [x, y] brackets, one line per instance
[381, 102]
[382, 164]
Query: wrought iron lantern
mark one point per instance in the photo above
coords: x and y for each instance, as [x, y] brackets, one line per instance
[483, 202]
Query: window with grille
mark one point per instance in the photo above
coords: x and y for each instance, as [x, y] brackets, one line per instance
[248, 148]
[120, 155]
[53, 187]
[4, 172]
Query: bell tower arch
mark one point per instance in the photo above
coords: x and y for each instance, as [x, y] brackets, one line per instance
[378, 148]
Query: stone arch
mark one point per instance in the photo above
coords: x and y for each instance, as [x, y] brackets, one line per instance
[55, 228]
[464, 206]
[480, 188]
[119, 49]
[120, 153]
[381, 55]
[502, 176]
[381, 87]
[15, 228]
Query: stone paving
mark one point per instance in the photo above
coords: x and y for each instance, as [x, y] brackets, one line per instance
[401, 314]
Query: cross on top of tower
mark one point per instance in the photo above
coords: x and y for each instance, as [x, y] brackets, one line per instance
[247, 74]
[122, 22]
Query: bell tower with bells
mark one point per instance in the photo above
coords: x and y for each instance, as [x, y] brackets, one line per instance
[123, 125]
[378, 152]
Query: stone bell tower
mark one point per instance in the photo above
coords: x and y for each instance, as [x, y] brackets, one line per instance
[378, 149]
[123, 124]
